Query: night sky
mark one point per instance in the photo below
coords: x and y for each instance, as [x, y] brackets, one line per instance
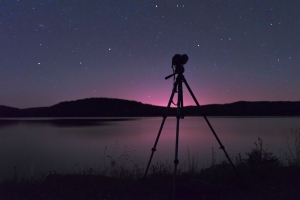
[62, 50]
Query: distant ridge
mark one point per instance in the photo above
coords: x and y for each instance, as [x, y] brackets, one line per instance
[245, 108]
[108, 107]
[91, 107]
[6, 111]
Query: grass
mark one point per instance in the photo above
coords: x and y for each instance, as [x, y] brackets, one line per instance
[261, 175]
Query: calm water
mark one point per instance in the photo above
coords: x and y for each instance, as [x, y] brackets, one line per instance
[68, 145]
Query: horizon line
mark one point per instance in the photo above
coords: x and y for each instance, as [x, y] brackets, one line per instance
[142, 102]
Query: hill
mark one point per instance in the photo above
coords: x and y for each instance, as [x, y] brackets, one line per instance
[92, 107]
[244, 108]
[106, 107]
[6, 111]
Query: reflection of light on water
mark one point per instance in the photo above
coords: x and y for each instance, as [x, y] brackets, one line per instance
[38, 147]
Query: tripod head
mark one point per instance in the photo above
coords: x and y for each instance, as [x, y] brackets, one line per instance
[177, 62]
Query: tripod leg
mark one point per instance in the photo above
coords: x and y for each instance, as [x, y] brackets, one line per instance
[181, 101]
[176, 161]
[161, 127]
[210, 126]
[179, 114]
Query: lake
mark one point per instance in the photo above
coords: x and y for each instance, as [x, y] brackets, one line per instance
[34, 146]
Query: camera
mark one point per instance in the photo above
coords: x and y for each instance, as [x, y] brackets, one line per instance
[179, 59]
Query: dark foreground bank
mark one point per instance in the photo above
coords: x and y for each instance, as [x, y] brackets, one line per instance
[218, 182]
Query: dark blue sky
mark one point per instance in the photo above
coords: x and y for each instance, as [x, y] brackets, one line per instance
[53, 50]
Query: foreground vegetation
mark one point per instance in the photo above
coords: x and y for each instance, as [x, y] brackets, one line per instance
[261, 175]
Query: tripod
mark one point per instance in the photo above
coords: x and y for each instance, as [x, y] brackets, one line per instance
[179, 61]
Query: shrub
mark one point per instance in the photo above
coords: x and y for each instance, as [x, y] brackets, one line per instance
[293, 159]
[259, 156]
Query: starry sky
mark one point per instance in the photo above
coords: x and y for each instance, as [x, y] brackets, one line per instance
[62, 50]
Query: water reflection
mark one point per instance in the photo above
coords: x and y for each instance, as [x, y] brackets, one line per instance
[6, 123]
[65, 145]
[63, 122]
